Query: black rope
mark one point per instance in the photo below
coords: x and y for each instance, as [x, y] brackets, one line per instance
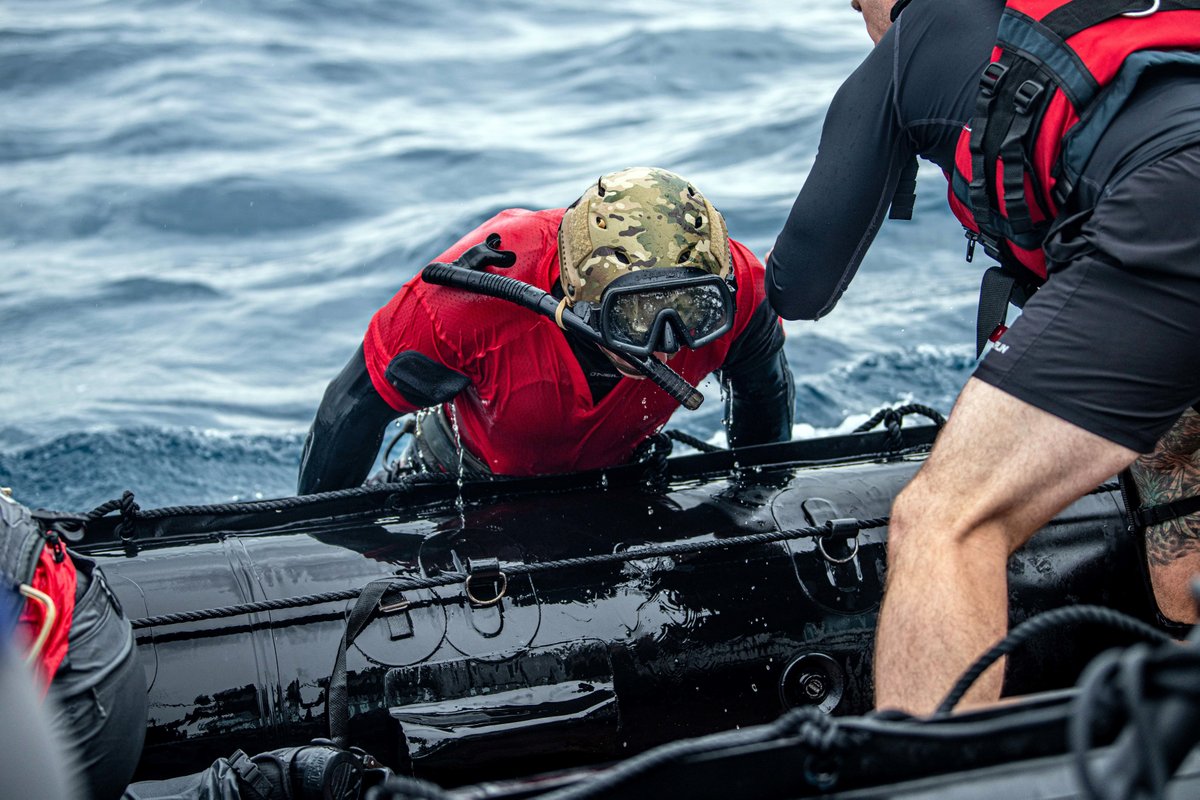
[1142, 681]
[510, 569]
[694, 442]
[131, 512]
[812, 729]
[513, 570]
[893, 419]
[1071, 615]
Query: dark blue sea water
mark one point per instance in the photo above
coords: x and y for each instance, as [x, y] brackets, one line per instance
[202, 202]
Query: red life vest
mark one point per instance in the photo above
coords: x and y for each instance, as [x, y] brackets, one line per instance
[35, 563]
[529, 409]
[1059, 73]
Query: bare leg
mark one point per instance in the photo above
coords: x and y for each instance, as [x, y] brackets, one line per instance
[1170, 473]
[1000, 470]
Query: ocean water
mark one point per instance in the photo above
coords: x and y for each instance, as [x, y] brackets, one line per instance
[202, 202]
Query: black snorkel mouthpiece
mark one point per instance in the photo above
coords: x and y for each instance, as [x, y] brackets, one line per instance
[466, 272]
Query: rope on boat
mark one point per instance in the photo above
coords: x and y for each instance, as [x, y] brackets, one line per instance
[1059, 617]
[516, 570]
[403, 584]
[892, 418]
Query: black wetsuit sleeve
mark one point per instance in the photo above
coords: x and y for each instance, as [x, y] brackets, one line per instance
[862, 152]
[760, 401]
[345, 436]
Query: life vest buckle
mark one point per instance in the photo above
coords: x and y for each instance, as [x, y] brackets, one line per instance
[1026, 95]
[993, 73]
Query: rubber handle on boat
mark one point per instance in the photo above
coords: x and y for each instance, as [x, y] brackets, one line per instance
[533, 298]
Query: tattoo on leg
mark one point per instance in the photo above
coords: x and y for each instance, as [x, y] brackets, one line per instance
[1172, 472]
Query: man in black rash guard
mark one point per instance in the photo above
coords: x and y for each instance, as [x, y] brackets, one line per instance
[1103, 361]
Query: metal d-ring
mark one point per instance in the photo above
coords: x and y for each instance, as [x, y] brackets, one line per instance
[500, 576]
[1152, 9]
[831, 559]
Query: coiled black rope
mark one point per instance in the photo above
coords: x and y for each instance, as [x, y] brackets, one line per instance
[511, 570]
[892, 418]
[1144, 681]
[1071, 615]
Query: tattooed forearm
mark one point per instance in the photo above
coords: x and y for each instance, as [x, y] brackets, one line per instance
[1171, 473]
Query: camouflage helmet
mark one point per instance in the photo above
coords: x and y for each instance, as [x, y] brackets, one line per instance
[638, 218]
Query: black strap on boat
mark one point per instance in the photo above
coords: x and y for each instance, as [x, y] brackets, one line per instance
[337, 703]
[253, 783]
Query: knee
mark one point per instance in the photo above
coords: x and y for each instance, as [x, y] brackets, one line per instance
[907, 522]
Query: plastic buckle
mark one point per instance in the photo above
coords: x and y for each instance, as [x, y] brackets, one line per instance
[993, 73]
[1026, 95]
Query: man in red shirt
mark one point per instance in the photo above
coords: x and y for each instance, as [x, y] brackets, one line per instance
[651, 259]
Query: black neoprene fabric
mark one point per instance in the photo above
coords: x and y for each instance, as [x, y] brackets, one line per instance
[346, 434]
[911, 96]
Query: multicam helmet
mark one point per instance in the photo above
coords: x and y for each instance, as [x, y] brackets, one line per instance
[638, 218]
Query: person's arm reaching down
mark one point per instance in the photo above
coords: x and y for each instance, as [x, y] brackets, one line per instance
[760, 400]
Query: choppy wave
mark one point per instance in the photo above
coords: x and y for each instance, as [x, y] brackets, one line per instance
[205, 201]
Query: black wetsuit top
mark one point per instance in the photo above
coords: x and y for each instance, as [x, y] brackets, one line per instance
[911, 96]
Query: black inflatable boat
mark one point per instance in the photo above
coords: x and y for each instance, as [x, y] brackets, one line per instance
[535, 624]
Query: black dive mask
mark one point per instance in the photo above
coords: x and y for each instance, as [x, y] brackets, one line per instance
[662, 310]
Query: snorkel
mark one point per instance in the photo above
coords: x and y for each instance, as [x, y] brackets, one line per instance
[467, 273]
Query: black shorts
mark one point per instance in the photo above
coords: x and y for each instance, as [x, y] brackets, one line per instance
[1111, 343]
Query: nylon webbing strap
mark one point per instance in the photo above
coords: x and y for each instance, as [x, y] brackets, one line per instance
[994, 293]
[981, 204]
[904, 199]
[337, 704]
[1079, 15]
[1156, 515]
[1013, 154]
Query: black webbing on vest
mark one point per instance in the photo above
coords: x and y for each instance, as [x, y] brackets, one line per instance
[995, 291]
[980, 192]
[905, 196]
[1017, 157]
[1070, 19]
[337, 697]
[1018, 99]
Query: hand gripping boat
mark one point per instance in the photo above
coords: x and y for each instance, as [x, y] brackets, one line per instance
[516, 626]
